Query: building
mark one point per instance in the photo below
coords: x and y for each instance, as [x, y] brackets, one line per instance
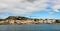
[50, 21]
[11, 21]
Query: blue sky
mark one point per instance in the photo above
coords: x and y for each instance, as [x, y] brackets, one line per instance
[30, 8]
[44, 15]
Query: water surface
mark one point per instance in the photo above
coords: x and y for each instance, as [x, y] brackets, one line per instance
[31, 27]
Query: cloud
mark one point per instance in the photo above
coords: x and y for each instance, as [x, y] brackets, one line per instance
[56, 5]
[28, 6]
[31, 0]
[22, 6]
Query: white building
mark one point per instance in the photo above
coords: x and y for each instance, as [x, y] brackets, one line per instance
[50, 21]
[41, 21]
[11, 21]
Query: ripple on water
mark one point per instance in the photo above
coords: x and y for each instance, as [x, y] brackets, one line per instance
[31, 27]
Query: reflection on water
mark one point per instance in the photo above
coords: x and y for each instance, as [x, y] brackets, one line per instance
[31, 27]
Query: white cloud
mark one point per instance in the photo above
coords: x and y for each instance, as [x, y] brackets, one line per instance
[56, 5]
[27, 6]
[51, 12]
[22, 6]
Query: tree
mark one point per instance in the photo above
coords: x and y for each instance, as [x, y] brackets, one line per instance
[57, 21]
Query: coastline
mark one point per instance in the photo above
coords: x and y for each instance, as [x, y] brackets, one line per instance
[24, 20]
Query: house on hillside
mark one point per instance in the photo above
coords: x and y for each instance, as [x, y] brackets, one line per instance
[50, 21]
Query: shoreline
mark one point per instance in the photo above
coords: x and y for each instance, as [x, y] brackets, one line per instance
[29, 24]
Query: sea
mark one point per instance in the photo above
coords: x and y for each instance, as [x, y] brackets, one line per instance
[31, 27]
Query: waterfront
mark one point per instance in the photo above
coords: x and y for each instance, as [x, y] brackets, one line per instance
[31, 27]
[26, 20]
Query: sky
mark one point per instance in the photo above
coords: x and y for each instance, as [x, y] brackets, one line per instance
[30, 8]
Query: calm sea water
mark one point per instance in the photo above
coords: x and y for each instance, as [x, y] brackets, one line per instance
[31, 27]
